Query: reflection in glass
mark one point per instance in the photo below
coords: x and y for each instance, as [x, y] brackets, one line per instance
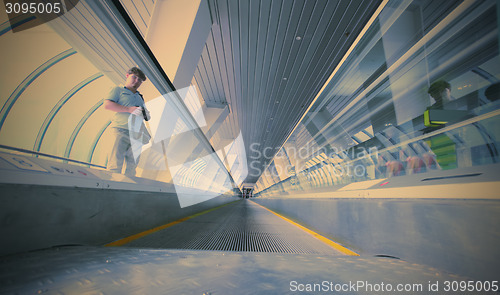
[369, 121]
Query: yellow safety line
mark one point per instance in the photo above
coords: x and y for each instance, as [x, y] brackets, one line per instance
[327, 241]
[127, 240]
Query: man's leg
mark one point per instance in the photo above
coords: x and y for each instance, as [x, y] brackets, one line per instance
[118, 150]
[130, 161]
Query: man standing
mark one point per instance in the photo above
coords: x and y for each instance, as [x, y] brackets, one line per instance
[125, 101]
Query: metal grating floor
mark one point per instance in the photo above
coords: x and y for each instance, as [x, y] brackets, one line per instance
[240, 226]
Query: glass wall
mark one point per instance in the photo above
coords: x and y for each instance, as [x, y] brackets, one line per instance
[418, 93]
[55, 79]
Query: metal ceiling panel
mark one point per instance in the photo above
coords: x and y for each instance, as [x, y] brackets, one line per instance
[269, 59]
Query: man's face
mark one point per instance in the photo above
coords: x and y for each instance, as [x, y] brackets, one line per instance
[133, 82]
[447, 96]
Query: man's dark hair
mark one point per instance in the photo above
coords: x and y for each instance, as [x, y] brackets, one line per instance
[436, 91]
[136, 71]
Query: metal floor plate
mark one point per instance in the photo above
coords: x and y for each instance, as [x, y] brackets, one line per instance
[239, 226]
[118, 270]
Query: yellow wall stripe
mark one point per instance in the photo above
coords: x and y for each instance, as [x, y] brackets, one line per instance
[327, 241]
[127, 240]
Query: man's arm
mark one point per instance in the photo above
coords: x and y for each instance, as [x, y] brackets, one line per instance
[115, 107]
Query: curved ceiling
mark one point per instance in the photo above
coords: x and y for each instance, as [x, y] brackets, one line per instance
[49, 95]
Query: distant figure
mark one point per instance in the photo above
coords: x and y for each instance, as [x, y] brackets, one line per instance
[442, 146]
[440, 92]
[125, 101]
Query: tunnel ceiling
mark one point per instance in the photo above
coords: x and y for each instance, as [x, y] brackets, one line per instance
[268, 60]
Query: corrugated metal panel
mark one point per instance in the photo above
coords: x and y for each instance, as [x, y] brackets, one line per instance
[268, 59]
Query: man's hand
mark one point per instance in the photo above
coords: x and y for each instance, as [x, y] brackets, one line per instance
[137, 111]
[113, 106]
